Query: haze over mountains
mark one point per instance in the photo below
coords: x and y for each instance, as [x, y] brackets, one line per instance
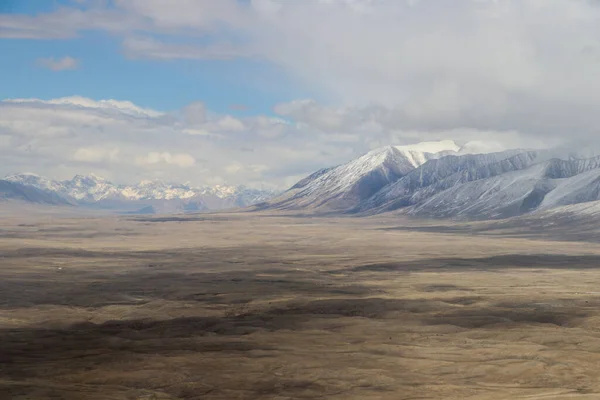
[145, 197]
[444, 180]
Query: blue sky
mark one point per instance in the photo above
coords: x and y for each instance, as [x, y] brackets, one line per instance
[29, 7]
[264, 92]
[105, 72]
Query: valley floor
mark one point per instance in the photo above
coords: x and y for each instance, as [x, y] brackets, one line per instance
[256, 306]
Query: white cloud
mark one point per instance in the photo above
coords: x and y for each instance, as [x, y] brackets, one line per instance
[422, 65]
[126, 143]
[182, 160]
[96, 154]
[83, 103]
[269, 127]
[521, 73]
[254, 171]
[234, 168]
[229, 123]
[65, 22]
[195, 113]
[200, 132]
[58, 64]
[215, 126]
[149, 48]
[207, 15]
[27, 27]
[324, 118]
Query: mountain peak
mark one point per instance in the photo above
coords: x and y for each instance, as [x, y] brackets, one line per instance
[375, 157]
[87, 182]
[419, 153]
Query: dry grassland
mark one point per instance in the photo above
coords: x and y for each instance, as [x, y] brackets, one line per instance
[233, 306]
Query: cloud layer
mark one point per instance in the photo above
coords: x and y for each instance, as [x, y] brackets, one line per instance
[527, 65]
[523, 73]
[126, 143]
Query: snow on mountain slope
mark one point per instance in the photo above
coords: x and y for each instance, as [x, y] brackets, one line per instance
[222, 197]
[37, 181]
[581, 188]
[544, 185]
[89, 188]
[558, 168]
[440, 174]
[157, 190]
[498, 196]
[306, 181]
[345, 186]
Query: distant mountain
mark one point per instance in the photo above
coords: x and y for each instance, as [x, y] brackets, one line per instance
[444, 180]
[96, 192]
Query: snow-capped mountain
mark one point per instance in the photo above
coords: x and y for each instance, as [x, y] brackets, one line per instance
[95, 191]
[344, 186]
[85, 188]
[533, 183]
[442, 179]
[347, 186]
[445, 173]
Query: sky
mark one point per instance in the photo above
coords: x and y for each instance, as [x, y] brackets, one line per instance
[264, 92]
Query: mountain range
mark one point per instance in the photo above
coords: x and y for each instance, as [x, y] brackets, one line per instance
[429, 179]
[444, 180]
[145, 197]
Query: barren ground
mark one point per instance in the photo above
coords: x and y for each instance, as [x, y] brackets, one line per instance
[233, 306]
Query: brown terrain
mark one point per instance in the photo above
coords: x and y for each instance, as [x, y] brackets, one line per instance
[257, 306]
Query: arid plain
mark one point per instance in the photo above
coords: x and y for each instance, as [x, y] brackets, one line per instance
[267, 306]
